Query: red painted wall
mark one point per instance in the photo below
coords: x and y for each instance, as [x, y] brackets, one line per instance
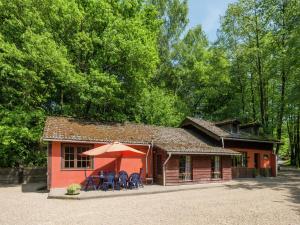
[63, 177]
[264, 162]
[273, 165]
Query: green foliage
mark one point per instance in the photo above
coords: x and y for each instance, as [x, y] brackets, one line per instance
[159, 107]
[73, 189]
[87, 59]
[130, 61]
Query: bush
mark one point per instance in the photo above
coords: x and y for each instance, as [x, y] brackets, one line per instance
[73, 189]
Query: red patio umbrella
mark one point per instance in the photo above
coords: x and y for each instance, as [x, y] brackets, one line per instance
[114, 150]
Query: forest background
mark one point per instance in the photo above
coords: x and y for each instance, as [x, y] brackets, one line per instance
[116, 60]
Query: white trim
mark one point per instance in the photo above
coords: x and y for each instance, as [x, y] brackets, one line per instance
[149, 146]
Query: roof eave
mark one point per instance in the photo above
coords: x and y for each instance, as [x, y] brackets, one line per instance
[95, 141]
[251, 140]
[201, 153]
[203, 129]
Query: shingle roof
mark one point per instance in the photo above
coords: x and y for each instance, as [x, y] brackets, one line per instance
[219, 132]
[168, 138]
[210, 126]
[228, 121]
[64, 128]
[194, 148]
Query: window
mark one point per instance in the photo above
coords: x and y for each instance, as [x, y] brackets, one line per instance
[72, 158]
[240, 161]
[185, 169]
[158, 165]
[69, 157]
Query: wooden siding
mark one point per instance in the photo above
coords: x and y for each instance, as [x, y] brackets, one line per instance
[201, 168]
[158, 178]
[172, 170]
[226, 168]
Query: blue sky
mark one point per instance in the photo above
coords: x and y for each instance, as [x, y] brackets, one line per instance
[207, 13]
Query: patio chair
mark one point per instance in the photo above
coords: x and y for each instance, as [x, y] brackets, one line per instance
[101, 175]
[90, 183]
[110, 182]
[122, 181]
[134, 180]
[123, 172]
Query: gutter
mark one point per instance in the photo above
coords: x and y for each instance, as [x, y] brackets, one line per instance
[222, 142]
[149, 148]
[94, 142]
[252, 140]
[204, 153]
[164, 168]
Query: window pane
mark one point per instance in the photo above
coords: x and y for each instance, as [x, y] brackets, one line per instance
[182, 161]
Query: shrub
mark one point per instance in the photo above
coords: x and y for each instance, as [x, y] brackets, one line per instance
[73, 189]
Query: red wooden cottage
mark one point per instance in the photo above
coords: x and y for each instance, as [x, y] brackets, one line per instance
[198, 151]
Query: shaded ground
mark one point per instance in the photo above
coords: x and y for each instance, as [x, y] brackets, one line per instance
[251, 201]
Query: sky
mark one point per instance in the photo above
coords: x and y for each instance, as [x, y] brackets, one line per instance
[207, 13]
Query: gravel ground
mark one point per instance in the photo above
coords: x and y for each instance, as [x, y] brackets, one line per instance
[261, 201]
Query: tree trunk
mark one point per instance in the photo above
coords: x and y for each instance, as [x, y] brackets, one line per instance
[283, 81]
[260, 76]
[281, 108]
[252, 98]
[297, 141]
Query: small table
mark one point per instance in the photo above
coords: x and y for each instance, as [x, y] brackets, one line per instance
[149, 179]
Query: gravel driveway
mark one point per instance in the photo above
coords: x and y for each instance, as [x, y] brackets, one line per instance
[260, 201]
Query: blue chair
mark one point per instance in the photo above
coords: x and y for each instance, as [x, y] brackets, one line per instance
[134, 181]
[122, 181]
[90, 183]
[110, 182]
[101, 179]
[123, 172]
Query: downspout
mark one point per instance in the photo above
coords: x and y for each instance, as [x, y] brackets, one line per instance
[222, 142]
[164, 168]
[149, 146]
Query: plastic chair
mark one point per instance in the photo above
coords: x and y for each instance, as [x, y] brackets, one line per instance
[109, 182]
[122, 181]
[90, 183]
[134, 180]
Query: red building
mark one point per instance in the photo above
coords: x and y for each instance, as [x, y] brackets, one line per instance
[198, 151]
